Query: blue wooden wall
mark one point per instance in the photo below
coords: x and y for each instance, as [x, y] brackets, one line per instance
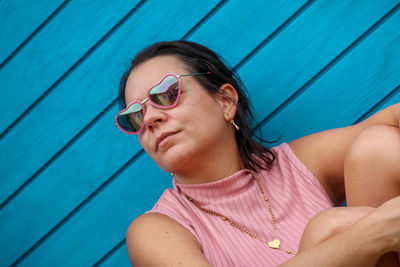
[71, 183]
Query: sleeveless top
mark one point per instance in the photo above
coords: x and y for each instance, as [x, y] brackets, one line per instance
[295, 196]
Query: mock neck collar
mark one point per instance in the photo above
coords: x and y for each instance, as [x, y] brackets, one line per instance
[217, 191]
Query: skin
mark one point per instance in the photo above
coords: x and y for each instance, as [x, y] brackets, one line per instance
[336, 157]
[195, 144]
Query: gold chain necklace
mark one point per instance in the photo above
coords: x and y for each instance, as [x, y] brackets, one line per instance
[274, 244]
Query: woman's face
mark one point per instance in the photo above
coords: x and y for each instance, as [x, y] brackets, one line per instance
[184, 137]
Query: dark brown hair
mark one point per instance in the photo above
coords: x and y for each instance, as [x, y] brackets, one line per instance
[198, 58]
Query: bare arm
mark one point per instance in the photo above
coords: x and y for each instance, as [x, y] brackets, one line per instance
[323, 153]
[156, 240]
[362, 244]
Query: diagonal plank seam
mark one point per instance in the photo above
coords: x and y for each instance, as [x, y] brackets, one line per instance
[87, 127]
[77, 208]
[269, 38]
[36, 31]
[274, 34]
[55, 156]
[378, 105]
[327, 67]
[31, 107]
[72, 68]
[307, 84]
[204, 19]
[73, 140]
[110, 253]
[254, 51]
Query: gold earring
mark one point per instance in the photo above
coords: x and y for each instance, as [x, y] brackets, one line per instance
[234, 124]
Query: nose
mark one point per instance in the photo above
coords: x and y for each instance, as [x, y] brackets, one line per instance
[154, 117]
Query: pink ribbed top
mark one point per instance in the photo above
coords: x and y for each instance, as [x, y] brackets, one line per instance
[295, 196]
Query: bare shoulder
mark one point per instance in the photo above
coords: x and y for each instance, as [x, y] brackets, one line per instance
[154, 239]
[323, 153]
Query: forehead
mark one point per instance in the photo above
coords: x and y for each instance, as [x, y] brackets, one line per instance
[150, 72]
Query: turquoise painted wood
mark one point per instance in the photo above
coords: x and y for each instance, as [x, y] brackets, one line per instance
[55, 49]
[305, 48]
[359, 81]
[46, 183]
[19, 19]
[60, 125]
[238, 28]
[71, 183]
[80, 232]
[51, 109]
[118, 258]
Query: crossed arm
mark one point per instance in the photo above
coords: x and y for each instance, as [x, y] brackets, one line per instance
[362, 164]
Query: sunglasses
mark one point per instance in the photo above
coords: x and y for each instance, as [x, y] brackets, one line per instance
[165, 94]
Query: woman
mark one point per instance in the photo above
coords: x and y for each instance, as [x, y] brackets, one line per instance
[237, 203]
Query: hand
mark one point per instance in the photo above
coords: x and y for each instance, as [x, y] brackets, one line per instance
[382, 227]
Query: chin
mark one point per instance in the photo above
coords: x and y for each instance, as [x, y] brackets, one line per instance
[174, 160]
[174, 165]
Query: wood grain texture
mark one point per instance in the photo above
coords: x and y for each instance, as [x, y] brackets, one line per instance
[348, 90]
[238, 28]
[55, 49]
[50, 112]
[305, 48]
[119, 258]
[19, 19]
[59, 116]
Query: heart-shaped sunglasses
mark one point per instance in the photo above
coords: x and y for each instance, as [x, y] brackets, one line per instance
[164, 94]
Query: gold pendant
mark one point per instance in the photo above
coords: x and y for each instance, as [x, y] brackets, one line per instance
[274, 244]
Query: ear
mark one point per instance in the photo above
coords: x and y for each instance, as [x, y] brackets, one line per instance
[228, 99]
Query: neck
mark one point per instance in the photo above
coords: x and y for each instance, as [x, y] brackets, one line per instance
[214, 168]
[207, 175]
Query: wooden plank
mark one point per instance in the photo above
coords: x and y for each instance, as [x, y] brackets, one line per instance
[65, 184]
[247, 27]
[119, 195]
[61, 175]
[48, 148]
[19, 19]
[394, 100]
[109, 158]
[56, 28]
[350, 88]
[305, 47]
[108, 222]
[59, 116]
[52, 51]
[120, 258]
[391, 99]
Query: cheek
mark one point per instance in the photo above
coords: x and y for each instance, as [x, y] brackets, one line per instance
[209, 116]
[143, 141]
[204, 108]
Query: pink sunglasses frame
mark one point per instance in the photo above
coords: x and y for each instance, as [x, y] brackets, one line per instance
[141, 103]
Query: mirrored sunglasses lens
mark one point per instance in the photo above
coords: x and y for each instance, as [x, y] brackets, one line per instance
[166, 93]
[132, 119]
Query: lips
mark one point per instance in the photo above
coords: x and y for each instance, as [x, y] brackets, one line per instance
[162, 137]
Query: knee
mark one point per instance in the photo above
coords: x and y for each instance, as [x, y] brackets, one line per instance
[329, 223]
[375, 144]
